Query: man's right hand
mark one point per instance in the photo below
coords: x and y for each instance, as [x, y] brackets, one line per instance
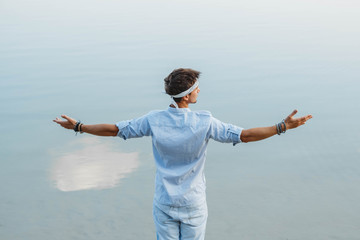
[69, 123]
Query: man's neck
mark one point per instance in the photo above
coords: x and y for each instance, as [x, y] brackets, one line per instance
[181, 104]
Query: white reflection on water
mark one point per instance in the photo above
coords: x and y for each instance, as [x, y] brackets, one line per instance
[95, 166]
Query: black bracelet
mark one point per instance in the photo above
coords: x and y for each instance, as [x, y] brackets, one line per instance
[283, 122]
[277, 129]
[76, 127]
[80, 125]
[280, 127]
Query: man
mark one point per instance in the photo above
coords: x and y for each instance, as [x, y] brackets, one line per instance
[179, 138]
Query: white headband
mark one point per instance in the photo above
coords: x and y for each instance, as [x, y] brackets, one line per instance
[184, 93]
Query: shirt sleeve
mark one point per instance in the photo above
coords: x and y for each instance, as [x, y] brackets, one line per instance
[134, 128]
[224, 132]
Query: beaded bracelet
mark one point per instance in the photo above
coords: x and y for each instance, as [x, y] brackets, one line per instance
[283, 122]
[77, 127]
[279, 128]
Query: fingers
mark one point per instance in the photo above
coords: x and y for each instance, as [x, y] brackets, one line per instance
[293, 113]
[296, 122]
[305, 118]
[67, 123]
[57, 120]
[68, 118]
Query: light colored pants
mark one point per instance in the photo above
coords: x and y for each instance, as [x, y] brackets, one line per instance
[180, 223]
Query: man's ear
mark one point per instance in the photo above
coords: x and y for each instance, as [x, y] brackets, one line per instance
[186, 98]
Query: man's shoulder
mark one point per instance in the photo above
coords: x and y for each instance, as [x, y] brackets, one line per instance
[203, 113]
[156, 113]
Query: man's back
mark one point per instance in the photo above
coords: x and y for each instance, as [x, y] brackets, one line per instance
[179, 138]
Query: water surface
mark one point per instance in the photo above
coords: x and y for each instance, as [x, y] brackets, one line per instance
[104, 61]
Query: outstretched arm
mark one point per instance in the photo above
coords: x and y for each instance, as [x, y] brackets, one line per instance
[256, 134]
[96, 129]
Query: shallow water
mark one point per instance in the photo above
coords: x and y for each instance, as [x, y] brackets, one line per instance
[104, 61]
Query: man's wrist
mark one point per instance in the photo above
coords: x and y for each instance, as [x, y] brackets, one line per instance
[281, 127]
[78, 127]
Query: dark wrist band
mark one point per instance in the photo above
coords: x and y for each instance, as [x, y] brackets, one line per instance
[279, 127]
[283, 122]
[76, 127]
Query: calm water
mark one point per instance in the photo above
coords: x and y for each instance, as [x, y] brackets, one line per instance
[104, 61]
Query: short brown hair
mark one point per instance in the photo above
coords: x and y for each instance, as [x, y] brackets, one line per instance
[180, 80]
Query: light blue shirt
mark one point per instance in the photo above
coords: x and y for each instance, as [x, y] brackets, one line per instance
[179, 139]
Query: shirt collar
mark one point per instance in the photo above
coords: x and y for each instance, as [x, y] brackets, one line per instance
[179, 110]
